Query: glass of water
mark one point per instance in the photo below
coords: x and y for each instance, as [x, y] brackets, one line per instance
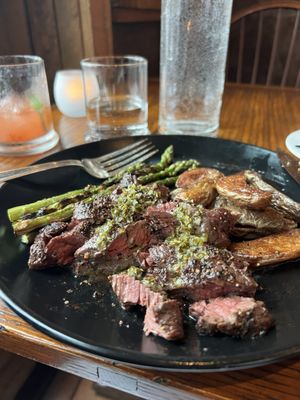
[116, 96]
[194, 40]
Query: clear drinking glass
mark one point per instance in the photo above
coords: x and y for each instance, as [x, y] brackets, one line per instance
[116, 96]
[26, 125]
[194, 41]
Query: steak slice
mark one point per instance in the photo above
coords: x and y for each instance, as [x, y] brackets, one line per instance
[165, 207]
[162, 224]
[156, 256]
[38, 254]
[131, 291]
[164, 319]
[235, 188]
[115, 243]
[163, 316]
[57, 243]
[111, 255]
[62, 247]
[272, 249]
[234, 316]
[201, 274]
[218, 224]
[120, 251]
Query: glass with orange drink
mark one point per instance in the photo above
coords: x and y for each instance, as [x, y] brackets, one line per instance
[26, 125]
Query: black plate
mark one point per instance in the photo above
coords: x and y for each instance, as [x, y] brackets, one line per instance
[64, 307]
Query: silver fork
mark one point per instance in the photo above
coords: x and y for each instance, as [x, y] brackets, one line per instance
[100, 167]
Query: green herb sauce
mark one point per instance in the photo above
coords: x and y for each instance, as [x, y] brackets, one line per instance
[132, 201]
[186, 243]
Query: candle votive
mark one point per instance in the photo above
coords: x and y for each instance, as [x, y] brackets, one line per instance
[69, 93]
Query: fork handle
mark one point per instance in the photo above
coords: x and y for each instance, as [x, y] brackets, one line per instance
[32, 169]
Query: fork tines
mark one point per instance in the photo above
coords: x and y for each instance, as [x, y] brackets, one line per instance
[119, 159]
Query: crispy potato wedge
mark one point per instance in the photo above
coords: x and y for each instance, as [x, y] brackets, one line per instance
[201, 193]
[236, 189]
[190, 178]
[257, 222]
[197, 186]
[271, 249]
[280, 201]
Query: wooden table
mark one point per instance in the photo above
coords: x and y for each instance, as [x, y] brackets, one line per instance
[257, 115]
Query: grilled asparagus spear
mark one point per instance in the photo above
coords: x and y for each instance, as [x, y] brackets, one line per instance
[18, 212]
[55, 203]
[172, 170]
[27, 218]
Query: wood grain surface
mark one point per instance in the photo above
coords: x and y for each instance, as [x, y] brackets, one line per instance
[257, 115]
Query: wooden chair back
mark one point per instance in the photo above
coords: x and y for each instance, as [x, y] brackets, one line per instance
[262, 46]
[263, 43]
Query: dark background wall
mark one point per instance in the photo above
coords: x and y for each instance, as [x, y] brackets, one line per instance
[65, 31]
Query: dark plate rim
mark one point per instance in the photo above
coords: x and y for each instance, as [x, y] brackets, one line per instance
[149, 361]
[146, 361]
[150, 137]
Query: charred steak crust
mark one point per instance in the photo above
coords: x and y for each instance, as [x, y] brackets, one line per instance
[96, 212]
[218, 273]
[38, 255]
[56, 244]
[162, 224]
[218, 224]
[234, 316]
